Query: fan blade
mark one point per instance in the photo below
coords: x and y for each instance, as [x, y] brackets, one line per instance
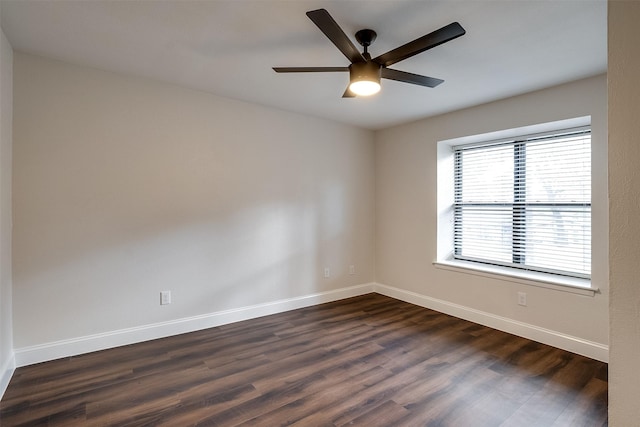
[436, 38]
[348, 94]
[332, 30]
[416, 79]
[308, 69]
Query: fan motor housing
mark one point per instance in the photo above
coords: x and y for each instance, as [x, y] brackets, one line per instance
[364, 71]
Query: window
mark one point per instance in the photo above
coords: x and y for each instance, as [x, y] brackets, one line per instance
[525, 202]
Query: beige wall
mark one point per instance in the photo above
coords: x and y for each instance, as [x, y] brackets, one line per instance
[6, 323]
[124, 187]
[406, 220]
[624, 193]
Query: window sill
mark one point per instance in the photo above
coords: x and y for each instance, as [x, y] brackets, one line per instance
[541, 280]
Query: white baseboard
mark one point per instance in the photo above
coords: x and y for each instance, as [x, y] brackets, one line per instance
[6, 372]
[557, 339]
[73, 347]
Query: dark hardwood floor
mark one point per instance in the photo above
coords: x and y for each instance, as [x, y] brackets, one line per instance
[364, 361]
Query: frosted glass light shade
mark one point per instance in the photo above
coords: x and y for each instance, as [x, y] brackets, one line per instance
[365, 87]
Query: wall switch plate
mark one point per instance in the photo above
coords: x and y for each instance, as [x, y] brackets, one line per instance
[522, 299]
[327, 272]
[165, 297]
[352, 269]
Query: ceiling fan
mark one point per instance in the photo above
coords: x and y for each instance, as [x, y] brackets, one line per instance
[365, 72]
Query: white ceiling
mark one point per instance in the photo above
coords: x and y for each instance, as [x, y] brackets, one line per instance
[227, 47]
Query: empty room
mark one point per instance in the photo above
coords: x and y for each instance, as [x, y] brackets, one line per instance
[319, 213]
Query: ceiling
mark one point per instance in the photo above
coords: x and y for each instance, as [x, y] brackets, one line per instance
[227, 47]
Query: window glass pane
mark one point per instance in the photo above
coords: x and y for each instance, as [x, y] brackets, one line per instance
[484, 233]
[559, 170]
[488, 175]
[559, 239]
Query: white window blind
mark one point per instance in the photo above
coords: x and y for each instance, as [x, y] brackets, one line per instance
[526, 203]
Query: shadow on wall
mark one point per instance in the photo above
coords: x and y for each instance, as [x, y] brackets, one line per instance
[127, 187]
[109, 272]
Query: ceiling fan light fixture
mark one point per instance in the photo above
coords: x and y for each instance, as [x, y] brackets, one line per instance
[365, 78]
[365, 72]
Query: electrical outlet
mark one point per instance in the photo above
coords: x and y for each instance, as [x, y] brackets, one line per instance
[352, 269]
[522, 299]
[165, 297]
[327, 272]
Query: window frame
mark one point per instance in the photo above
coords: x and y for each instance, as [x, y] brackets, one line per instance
[520, 206]
[446, 259]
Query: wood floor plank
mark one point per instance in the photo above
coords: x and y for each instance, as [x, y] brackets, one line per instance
[387, 414]
[317, 403]
[589, 408]
[491, 409]
[368, 361]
